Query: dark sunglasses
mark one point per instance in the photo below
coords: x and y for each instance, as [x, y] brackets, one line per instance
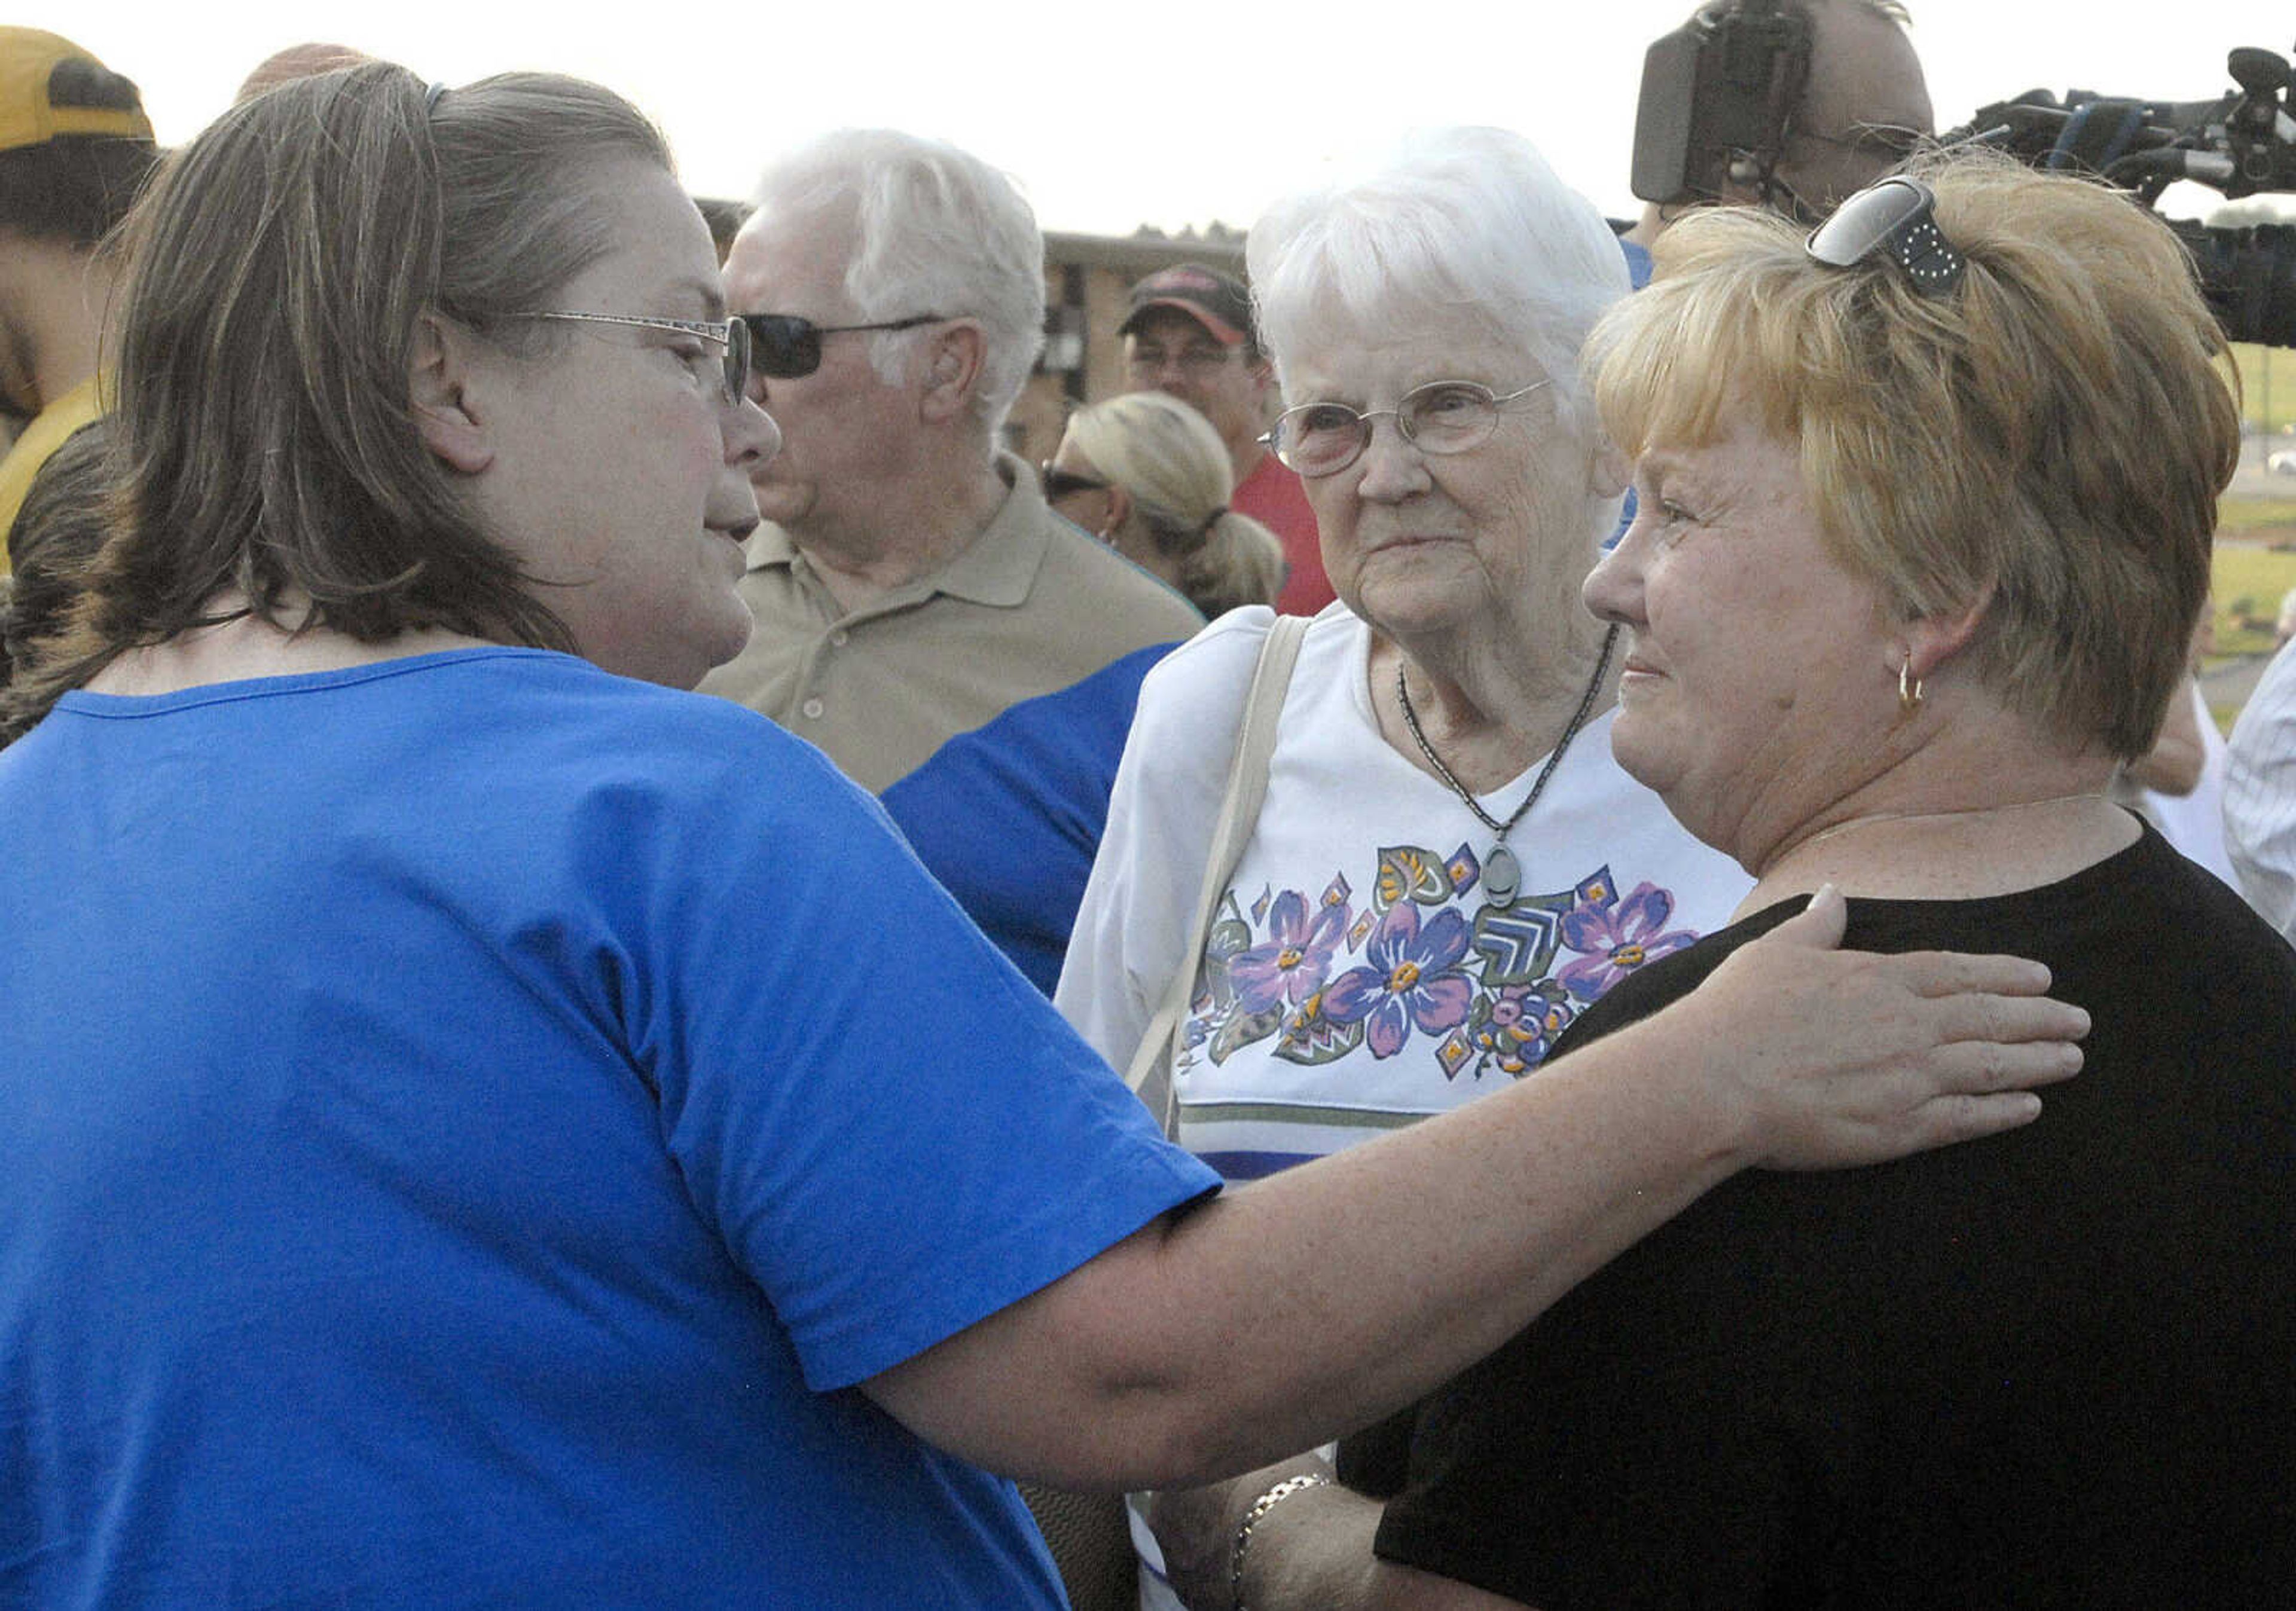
[1892, 218]
[1066, 483]
[784, 347]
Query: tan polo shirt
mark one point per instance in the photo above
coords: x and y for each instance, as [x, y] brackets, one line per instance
[986, 704]
[1031, 606]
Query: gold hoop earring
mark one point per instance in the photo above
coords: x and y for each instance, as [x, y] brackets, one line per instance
[1909, 689]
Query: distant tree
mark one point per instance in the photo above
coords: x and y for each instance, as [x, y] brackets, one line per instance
[1216, 233]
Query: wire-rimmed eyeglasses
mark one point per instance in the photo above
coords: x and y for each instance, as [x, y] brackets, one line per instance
[729, 334]
[1199, 361]
[1440, 417]
[1891, 217]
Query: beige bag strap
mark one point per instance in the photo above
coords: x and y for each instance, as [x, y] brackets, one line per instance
[1151, 1073]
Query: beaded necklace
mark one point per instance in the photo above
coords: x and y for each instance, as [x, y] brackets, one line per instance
[1502, 872]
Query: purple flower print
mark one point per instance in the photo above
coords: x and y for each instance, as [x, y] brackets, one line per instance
[1291, 967]
[1296, 958]
[1521, 1024]
[1414, 978]
[1616, 937]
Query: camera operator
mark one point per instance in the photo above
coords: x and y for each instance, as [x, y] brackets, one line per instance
[1791, 104]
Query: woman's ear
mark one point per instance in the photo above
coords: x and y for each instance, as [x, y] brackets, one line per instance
[1120, 508]
[1932, 640]
[439, 391]
[953, 370]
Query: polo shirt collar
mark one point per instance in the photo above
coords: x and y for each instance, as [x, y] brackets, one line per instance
[1000, 567]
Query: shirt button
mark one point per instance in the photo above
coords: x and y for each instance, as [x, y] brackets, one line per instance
[838, 638]
[812, 709]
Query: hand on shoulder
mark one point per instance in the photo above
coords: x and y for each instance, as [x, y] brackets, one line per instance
[1830, 1059]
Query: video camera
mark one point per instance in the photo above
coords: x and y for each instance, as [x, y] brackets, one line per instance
[2240, 145]
[1719, 94]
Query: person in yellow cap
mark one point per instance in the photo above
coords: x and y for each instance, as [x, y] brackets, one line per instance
[75, 147]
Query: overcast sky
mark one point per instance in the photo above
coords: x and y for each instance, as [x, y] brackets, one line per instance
[1115, 115]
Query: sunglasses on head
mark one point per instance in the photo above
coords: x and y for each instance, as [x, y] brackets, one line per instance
[1891, 218]
[784, 347]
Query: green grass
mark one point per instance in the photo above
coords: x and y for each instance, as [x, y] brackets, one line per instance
[2254, 567]
[2249, 583]
[2268, 385]
[2254, 517]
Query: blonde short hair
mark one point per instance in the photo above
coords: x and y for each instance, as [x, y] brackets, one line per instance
[1172, 462]
[2049, 439]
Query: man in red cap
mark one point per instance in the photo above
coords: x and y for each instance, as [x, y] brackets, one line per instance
[1190, 334]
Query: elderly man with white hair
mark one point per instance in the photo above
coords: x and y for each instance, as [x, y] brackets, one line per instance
[957, 647]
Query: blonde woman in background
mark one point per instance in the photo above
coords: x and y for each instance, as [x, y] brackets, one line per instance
[1151, 476]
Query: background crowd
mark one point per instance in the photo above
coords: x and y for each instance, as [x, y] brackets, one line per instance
[1584, 600]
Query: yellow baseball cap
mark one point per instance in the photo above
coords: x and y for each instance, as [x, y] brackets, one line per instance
[28, 59]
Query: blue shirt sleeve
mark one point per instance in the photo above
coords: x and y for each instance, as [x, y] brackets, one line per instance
[891, 1129]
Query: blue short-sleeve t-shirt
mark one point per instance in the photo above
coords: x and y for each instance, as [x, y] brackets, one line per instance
[466, 1126]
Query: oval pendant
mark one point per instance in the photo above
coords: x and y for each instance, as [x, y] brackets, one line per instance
[1501, 876]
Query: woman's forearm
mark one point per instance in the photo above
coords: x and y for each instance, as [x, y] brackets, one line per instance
[1280, 1314]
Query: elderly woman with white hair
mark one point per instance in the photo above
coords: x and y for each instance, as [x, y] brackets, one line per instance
[1151, 476]
[1447, 867]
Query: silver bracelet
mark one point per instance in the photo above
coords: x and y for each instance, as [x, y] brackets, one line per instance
[1252, 1517]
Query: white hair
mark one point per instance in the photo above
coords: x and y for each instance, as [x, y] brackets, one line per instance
[935, 230]
[1455, 226]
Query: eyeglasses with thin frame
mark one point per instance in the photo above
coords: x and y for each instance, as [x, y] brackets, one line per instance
[1892, 219]
[1197, 361]
[1440, 417]
[727, 333]
[787, 346]
[1066, 483]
